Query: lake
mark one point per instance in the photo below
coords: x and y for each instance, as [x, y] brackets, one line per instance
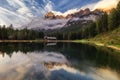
[58, 61]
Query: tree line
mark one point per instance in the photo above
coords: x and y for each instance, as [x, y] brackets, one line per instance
[8, 33]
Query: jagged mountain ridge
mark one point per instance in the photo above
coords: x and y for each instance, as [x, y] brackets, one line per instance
[52, 15]
[52, 21]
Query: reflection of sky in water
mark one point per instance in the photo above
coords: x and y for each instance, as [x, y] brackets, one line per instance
[31, 67]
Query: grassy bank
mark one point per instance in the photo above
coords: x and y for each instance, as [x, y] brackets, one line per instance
[116, 47]
[110, 39]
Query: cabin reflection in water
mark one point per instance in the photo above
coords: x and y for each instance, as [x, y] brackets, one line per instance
[51, 44]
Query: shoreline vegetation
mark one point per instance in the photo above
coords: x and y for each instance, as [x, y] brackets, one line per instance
[37, 41]
[112, 46]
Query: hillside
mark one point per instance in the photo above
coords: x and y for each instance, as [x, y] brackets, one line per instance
[108, 38]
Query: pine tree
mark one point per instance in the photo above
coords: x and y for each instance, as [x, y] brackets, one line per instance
[118, 10]
[113, 20]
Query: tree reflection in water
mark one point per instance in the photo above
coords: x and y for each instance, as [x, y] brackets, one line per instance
[63, 61]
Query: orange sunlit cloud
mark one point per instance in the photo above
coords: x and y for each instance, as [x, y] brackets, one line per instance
[106, 5]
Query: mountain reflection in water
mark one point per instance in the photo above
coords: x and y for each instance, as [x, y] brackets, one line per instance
[64, 61]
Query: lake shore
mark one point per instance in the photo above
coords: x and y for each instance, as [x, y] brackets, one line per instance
[20, 41]
[97, 44]
[54, 41]
[32, 41]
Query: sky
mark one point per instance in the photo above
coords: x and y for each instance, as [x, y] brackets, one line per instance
[64, 5]
[70, 6]
[22, 11]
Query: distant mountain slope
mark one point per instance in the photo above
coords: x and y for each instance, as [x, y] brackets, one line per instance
[52, 21]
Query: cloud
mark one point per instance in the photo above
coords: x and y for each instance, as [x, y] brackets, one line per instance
[106, 4]
[102, 4]
[90, 6]
[21, 8]
[8, 17]
[19, 12]
[74, 10]
[49, 6]
[71, 11]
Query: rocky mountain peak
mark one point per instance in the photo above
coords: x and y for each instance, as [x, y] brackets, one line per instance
[86, 11]
[50, 15]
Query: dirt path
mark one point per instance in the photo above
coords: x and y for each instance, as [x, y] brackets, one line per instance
[113, 47]
[109, 46]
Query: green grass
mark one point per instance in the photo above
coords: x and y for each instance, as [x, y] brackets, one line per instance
[80, 41]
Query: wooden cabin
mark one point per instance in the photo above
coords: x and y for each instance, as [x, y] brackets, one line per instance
[50, 38]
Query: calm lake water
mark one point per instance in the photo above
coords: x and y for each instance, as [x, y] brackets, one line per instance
[58, 61]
